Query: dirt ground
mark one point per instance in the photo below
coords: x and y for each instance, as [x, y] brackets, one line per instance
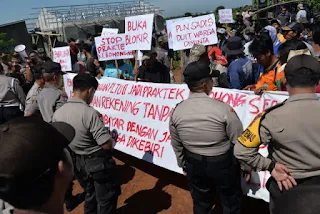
[149, 189]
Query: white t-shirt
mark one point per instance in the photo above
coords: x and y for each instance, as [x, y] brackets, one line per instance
[301, 14]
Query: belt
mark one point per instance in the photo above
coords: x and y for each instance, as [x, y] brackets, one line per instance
[100, 153]
[10, 105]
[217, 158]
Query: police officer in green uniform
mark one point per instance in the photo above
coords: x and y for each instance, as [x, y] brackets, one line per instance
[92, 146]
[203, 132]
[51, 98]
[12, 98]
[291, 130]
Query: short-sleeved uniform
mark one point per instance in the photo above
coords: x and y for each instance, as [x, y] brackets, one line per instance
[32, 98]
[96, 165]
[292, 132]
[12, 99]
[49, 100]
[203, 131]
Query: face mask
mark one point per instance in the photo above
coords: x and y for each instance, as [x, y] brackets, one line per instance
[82, 57]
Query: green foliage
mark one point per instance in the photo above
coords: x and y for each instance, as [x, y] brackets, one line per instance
[219, 8]
[315, 4]
[6, 44]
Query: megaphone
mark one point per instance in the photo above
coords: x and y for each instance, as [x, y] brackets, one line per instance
[21, 50]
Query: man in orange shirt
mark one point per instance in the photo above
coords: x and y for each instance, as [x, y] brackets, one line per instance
[270, 78]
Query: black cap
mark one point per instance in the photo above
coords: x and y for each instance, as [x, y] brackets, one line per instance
[302, 61]
[51, 67]
[29, 151]
[196, 71]
[293, 26]
[85, 81]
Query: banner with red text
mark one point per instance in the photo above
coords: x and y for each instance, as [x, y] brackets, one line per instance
[62, 55]
[198, 30]
[140, 112]
[112, 47]
[169, 29]
[139, 32]
[225, 16]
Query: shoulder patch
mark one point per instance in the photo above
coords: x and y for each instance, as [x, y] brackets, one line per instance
[251, 136]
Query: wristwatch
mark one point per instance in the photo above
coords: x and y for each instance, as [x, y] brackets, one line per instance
[271, 166]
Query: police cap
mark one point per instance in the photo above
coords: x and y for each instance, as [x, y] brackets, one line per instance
[302, 62]
[197, 71]
[30, 150]
[84, 81]
[51, 67]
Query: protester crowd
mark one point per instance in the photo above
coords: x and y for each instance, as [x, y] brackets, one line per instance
[48, 140]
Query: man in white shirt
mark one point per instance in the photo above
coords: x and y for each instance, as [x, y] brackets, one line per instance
[302, 13]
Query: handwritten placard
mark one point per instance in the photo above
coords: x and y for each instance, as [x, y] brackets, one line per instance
[198, 30]
[112, 47]
[139, 32]
[225, 16]
[62, 55]
[169, 29]
[109, 31]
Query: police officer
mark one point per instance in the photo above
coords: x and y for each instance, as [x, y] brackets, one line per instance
[50, 98]
[12, 98]
[35, 90]
[203, 131]
[92, 146]
[291, 130]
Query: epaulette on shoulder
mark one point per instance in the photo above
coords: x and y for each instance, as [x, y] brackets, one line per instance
[274, 107]
[177, 106]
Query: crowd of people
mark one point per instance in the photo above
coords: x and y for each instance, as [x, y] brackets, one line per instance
[47, 139]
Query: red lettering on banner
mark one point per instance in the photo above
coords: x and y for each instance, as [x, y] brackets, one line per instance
[121, 138]
[142, 131]
[201, 41]
[202, 24]
[233, 99]
[116, 104]
[254, 106]
[113, 88]
[184, 27]
[140, 38]
[113, 122]
[145, 146]
[159, 93]
[137, 25]
[157, 112]
[166, 137]
[69, 82]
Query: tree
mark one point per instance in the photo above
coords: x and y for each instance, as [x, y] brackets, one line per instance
[315, 4]
[187, 14]
[6, 45]
[219, 8]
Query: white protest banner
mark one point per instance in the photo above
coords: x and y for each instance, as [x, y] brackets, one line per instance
[112, 47]
[225, 16]
[198, 30]
[139, 32]
[109, 31]
[62, 55]
[140, 112]
[169, 30]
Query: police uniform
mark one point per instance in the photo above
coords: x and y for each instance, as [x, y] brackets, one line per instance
[32, 98]
[94, 163]
[12, 99]
[291, 130]
[203, 131]
[50, 98]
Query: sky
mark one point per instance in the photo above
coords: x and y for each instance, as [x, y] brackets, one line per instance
[11, 10]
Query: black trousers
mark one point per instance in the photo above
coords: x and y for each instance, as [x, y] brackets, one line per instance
[206, 175]
[102, 188]
[275, 192]
[9, 113]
